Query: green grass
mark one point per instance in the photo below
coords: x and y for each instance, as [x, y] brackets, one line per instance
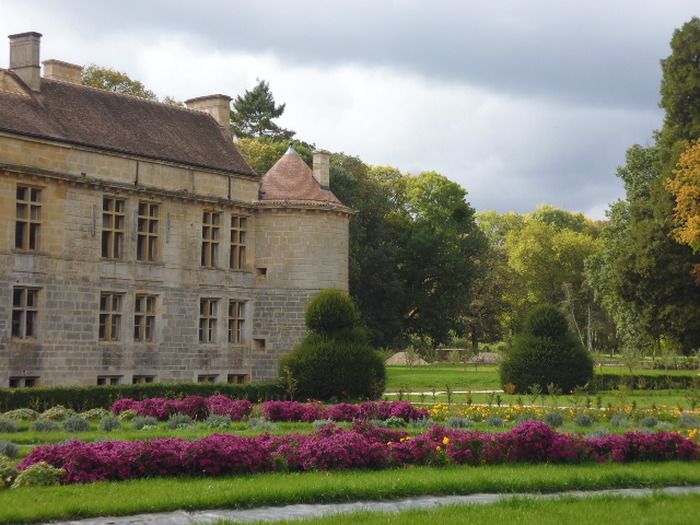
[153, 495]
[417, 378]
[657, 510]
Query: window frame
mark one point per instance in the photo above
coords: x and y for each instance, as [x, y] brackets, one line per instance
[24, 311]
[148, 231]
[208, 317]
[211, 238]
[114, 234]
[30, 226]
[238, 242]
[107, 332]
[236, 317]
[145, 319]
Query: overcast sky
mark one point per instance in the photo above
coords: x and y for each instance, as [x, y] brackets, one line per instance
[521, 102]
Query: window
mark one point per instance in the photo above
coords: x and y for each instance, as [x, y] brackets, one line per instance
[238, 234]
[113, 222]
[110, 316]
[24, 381]
[147, 231]
[140, 380]
[237, 379]
[211, 224]
[28, 220]
[259, 345]
[24, 312]
[207, 320]
[145, 318]
[236, 322]
[207, 378]
[109, 380]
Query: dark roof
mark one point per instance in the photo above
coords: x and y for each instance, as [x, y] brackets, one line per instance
[80, 115]
[292, 179]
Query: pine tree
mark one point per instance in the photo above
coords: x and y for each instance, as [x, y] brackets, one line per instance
[254, 112]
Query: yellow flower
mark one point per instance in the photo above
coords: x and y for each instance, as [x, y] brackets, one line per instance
[445, 440]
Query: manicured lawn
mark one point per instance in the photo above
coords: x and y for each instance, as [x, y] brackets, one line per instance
[417, 378]
[656, 510]
[131, 497]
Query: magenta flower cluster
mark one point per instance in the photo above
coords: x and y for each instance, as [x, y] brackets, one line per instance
[362, 447]
[197, 407]
[382, 410]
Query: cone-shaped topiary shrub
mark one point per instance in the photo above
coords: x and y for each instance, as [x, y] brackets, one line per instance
[335, 359]
[546, 352]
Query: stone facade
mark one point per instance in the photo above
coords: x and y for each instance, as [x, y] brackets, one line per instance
[228, 318]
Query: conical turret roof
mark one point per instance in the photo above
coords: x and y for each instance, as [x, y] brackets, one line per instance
[292, 179]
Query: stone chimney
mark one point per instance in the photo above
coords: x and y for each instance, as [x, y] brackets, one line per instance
[63, 71]
[218, 106]
[322, 168]
[24, 58]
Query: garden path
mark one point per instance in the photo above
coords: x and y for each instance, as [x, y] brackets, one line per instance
[314, 511]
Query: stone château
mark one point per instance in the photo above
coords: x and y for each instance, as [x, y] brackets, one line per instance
[137, 245]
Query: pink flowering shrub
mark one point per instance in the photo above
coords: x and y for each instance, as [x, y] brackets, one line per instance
[236, 409]
[291, 411]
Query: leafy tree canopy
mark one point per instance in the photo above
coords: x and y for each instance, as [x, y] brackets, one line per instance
[253, 114]
[111, 80]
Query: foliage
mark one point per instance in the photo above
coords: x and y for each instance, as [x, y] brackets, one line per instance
[546, 352]
[44, 425]
[583, 420]
[87, 397]
[685, 189]
[218, 422]
[7, 425]
[76, 423]
[8, 472]
[330, 312]
[253, 114]
[8, 449]
[95, 414]
[58, 413]
[263, 152]
[109, 423]
[555, 419]
[141, 422]
[333, 448]
[180, 421]
[109, 79]
[39, 474]
[21, 414]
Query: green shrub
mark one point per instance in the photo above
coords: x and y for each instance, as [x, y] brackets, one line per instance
[583, 420]
[598, 433]
[95, 414]
[58, 413]
[688, 421]
[395, 422]
[7, 426]
[546, 352]
[9, 450]
[458, 422]
[495, 421]
[76, 423]
[109, 423]
[324, 367]
[619, 420]
[215, 421]
[39, 474]
[320, 423]
[141, 422]
[554, 419]
[44, 425]
[330, 312]
[180, 421]
[21, 414]
[260, 423]
[81, 398]
[128, 415]
[8, 472]
[649, 422]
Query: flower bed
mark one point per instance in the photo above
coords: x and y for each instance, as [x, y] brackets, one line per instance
[198, 407]
[363, 446]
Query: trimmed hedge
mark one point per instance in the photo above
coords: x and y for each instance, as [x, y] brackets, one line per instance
[644, 382]
[81, 398]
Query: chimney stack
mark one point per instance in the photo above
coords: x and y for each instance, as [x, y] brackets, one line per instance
[322, 168]
[24, 58]
[63, 71]
[218, 106]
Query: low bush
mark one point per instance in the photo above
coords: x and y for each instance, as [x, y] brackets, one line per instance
[8, 472]
[58, 413]
[39, 474]
[459, 422]
[180, 421]
[333, 448]
[619, 420]
[261, 424]
[649, 422]
[95, 414]
[554, 419]
[141, 422]
[688, 421]
[495, 421]
[127, 415]
[7, 426]
[9, 450]
[44, 425]
[76, 424]
[21, 414]
[82, 398]
[218, 422]
[583, 420]
[110, 423]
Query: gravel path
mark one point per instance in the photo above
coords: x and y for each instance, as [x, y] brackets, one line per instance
[314, 511]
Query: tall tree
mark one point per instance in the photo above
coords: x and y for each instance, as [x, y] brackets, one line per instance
[253, 114]
[111, 80]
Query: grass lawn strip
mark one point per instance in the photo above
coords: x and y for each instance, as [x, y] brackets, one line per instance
[35, 504]
[659, 509]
